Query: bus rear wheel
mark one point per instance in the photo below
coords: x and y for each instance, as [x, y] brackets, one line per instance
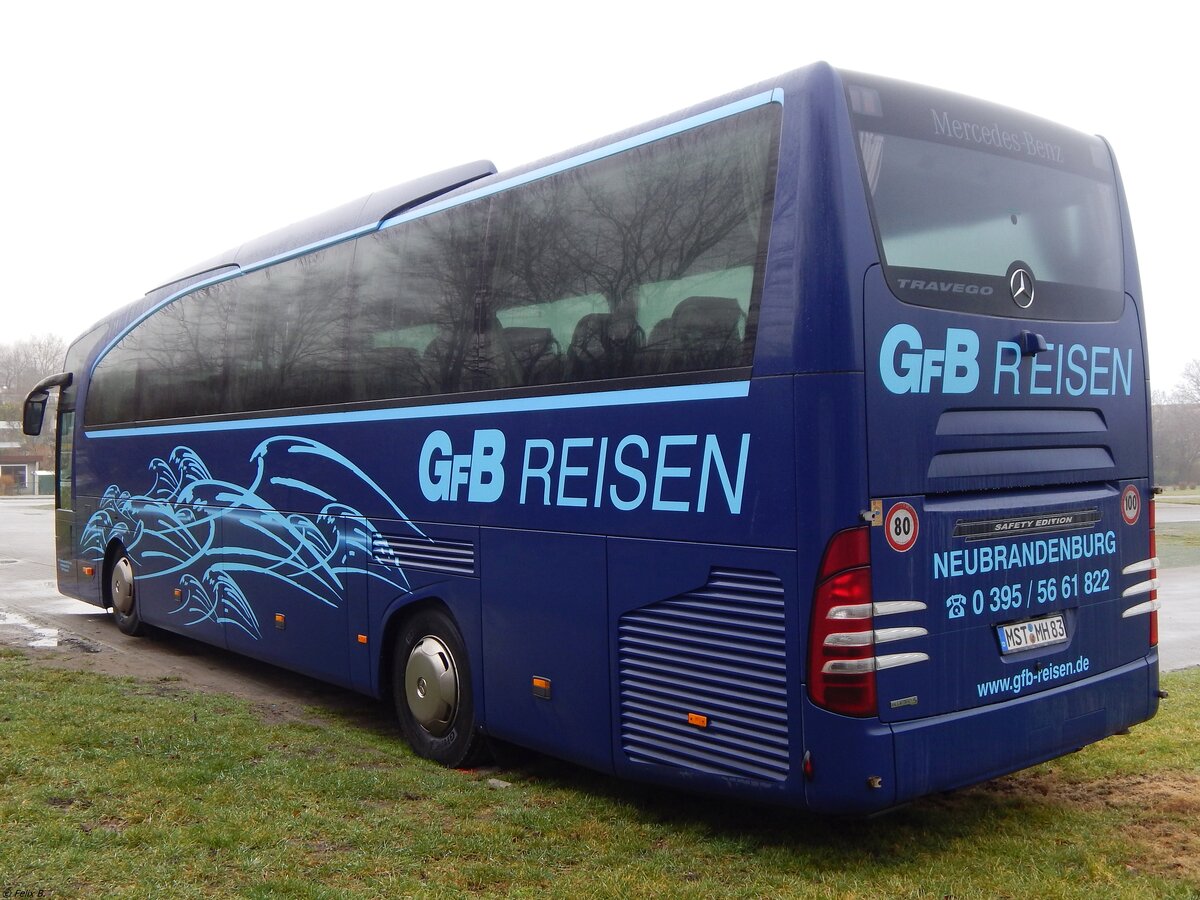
[431, 686]
[122, 592]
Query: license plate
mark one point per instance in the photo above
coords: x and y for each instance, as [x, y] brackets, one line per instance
[1031, 633]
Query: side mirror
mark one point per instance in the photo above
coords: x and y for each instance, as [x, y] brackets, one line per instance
[35, 403]
[35, 412]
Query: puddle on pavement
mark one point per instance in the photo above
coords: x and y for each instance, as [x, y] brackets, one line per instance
[16, 630]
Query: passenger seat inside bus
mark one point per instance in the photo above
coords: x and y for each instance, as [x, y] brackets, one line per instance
[536, 354]
[705, 333]
[387, 372]
[461, 360]
[604, 346]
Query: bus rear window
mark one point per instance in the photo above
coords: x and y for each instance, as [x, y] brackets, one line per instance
[963, 193]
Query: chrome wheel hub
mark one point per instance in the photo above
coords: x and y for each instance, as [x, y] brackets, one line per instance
[431, 685]
[122, 586]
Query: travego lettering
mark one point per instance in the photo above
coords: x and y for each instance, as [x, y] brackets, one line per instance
[946, 287]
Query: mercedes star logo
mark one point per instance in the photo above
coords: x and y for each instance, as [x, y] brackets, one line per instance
[1020, 285]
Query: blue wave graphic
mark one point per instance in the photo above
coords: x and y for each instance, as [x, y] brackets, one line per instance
[210, 536]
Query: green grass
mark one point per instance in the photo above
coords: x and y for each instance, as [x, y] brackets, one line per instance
[115, 787]
[1178, 544]
[1177, 494]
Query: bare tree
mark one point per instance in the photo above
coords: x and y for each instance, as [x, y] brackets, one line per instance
[1176, 418]
[22, 365]
[1188, 390]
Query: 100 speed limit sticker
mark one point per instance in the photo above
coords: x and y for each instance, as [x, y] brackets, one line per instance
[901, 526]
[1131, 504]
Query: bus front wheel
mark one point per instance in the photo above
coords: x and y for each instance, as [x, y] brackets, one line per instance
[122, 592]
[431, 685]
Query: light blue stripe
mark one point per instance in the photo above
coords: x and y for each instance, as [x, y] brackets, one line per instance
[721, 112]
[725, 390]
[307, 248]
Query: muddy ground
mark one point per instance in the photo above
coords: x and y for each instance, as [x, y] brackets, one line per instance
[76, 636]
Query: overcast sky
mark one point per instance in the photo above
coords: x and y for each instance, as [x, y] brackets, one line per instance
[141, 138]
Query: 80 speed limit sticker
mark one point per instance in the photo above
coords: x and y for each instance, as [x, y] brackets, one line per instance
[901, 526]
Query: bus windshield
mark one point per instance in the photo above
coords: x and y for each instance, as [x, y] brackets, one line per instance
[960, 191]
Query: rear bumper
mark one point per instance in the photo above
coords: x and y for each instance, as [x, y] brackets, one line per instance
[944, 752]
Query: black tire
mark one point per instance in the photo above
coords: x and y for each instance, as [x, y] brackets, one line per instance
[431, 686]
[122, 594]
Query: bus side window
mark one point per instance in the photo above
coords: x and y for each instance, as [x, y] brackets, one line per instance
[417, 309]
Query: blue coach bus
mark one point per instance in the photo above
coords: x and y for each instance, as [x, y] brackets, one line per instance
[793, 447]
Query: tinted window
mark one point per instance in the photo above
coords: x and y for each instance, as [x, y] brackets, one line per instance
[953, 209]
[76, 362]
[271, 339]
[641, 263]
[963, 192]
[419, 319]
[66, 459]
[288, 334]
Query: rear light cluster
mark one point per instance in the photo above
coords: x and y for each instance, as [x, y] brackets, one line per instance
[1153, 577]
[1147, 587]
[841, 642]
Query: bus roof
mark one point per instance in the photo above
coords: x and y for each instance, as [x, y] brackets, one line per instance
[369, 210]
[376, 208]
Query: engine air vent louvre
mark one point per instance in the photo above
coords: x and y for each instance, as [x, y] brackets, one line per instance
[1019, 447]
[454, 557]
[716, 653]
[1020, 421]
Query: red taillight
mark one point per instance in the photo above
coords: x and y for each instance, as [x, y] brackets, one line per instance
[1153, 574]
[847, 550]
[841, 648]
